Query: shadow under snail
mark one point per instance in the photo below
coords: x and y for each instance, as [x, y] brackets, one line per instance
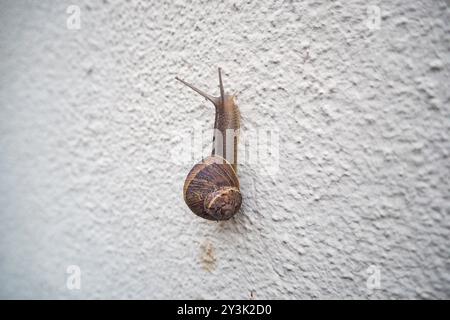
[211, 189]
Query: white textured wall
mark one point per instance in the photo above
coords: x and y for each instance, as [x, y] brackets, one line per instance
[88, 118]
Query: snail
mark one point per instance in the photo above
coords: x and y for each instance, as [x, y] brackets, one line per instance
[211, 189]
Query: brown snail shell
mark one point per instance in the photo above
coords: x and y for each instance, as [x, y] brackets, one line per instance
[211, 189]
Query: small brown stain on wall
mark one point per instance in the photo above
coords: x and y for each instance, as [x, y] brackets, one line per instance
[207, 256]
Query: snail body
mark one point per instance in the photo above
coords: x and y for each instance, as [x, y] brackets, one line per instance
[211, 189]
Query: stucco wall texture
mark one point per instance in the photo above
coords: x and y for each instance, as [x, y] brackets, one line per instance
[89, 118]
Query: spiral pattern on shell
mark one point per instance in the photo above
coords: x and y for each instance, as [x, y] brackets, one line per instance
[211, 189]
